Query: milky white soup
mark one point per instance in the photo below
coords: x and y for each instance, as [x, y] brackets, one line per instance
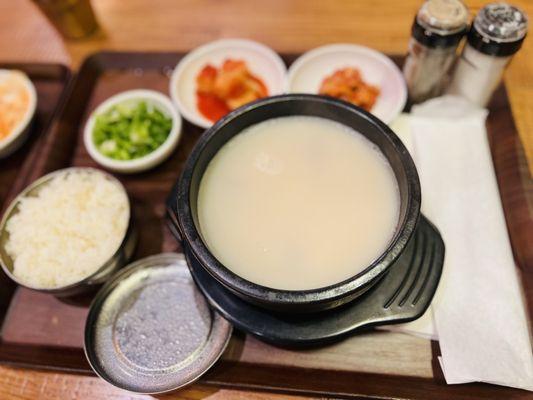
[298, 203]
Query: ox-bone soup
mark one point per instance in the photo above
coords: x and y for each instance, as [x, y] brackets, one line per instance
[298, 203]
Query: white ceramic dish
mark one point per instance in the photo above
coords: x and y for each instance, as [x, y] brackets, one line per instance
[261, 60]
[152, 159]
[21, 131]
[308, 71]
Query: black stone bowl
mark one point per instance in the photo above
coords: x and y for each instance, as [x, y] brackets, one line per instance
[182, 203]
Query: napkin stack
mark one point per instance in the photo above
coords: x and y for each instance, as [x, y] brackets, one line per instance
[478, 314]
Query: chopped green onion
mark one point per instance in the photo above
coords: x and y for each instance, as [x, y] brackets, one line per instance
[130, 130]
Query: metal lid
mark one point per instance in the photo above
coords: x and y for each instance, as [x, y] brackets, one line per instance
[440, 23]
[498, 29]
[444, 17]
[149, 329]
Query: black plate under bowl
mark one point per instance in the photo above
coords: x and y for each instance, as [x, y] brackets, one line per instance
[402, 295]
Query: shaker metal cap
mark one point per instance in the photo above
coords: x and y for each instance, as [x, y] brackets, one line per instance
[498, 29]
[501, 22]
[444, 17]
[149, 329]
[440, 23]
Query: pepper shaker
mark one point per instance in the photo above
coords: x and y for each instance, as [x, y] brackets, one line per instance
[496, 35]
[437, 30]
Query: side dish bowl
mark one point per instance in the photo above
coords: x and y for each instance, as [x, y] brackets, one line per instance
[308, 72]
[21, 131]
[183, 204]
[261, 60]
[150, 160]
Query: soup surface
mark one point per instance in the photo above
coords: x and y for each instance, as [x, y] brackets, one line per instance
[298, 203]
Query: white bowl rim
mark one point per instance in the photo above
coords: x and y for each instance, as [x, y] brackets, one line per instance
[30, 112]
[335, 47]
[149, 160]
[192, 116]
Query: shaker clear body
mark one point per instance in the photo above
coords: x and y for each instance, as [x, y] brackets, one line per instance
[426, 70]
[477, 75]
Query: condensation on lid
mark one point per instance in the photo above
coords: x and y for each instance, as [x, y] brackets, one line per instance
[501, 22]
[150, 330]
[444, 17]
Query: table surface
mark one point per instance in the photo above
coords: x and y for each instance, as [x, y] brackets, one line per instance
[169, 25]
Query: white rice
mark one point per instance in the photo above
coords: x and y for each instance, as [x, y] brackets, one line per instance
[68, 230]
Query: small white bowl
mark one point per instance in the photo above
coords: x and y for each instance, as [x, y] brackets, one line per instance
[22, 130]
[260, 59]
[158, 100]
[308, 71]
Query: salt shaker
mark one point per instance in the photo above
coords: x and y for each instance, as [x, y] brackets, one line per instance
[437, 30]
[496, 35]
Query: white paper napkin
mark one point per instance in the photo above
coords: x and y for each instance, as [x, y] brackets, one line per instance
[478, 313]
[423, 326]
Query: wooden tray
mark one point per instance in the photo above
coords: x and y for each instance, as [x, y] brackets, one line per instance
[41, 331]
[51, 81]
